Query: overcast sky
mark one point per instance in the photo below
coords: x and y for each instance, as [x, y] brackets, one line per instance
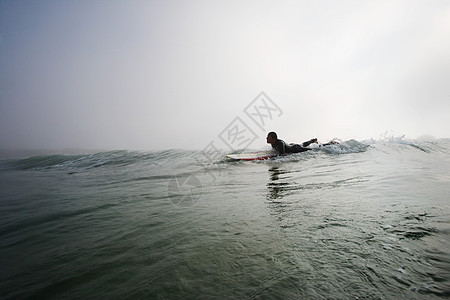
[175, 74]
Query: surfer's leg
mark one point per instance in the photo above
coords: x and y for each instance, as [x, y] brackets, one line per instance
[296, 148]
[330, 143]
[306, 144]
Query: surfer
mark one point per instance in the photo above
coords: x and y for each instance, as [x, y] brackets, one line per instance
[284, 148]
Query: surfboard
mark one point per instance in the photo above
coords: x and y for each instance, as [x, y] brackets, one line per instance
[261, 155]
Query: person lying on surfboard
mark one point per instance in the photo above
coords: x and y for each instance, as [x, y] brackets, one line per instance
[282, 148]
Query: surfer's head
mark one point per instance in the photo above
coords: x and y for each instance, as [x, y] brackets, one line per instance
[271, 137]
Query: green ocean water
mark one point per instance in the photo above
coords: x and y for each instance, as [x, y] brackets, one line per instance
[359, 220]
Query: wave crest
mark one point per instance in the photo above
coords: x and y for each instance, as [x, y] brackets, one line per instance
[87, 161]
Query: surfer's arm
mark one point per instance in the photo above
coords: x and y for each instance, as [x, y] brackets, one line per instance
[280, 147]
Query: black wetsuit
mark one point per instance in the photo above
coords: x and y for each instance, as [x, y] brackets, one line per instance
[283, 148]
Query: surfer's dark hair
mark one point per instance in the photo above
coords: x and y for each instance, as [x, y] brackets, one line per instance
[272, 135]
